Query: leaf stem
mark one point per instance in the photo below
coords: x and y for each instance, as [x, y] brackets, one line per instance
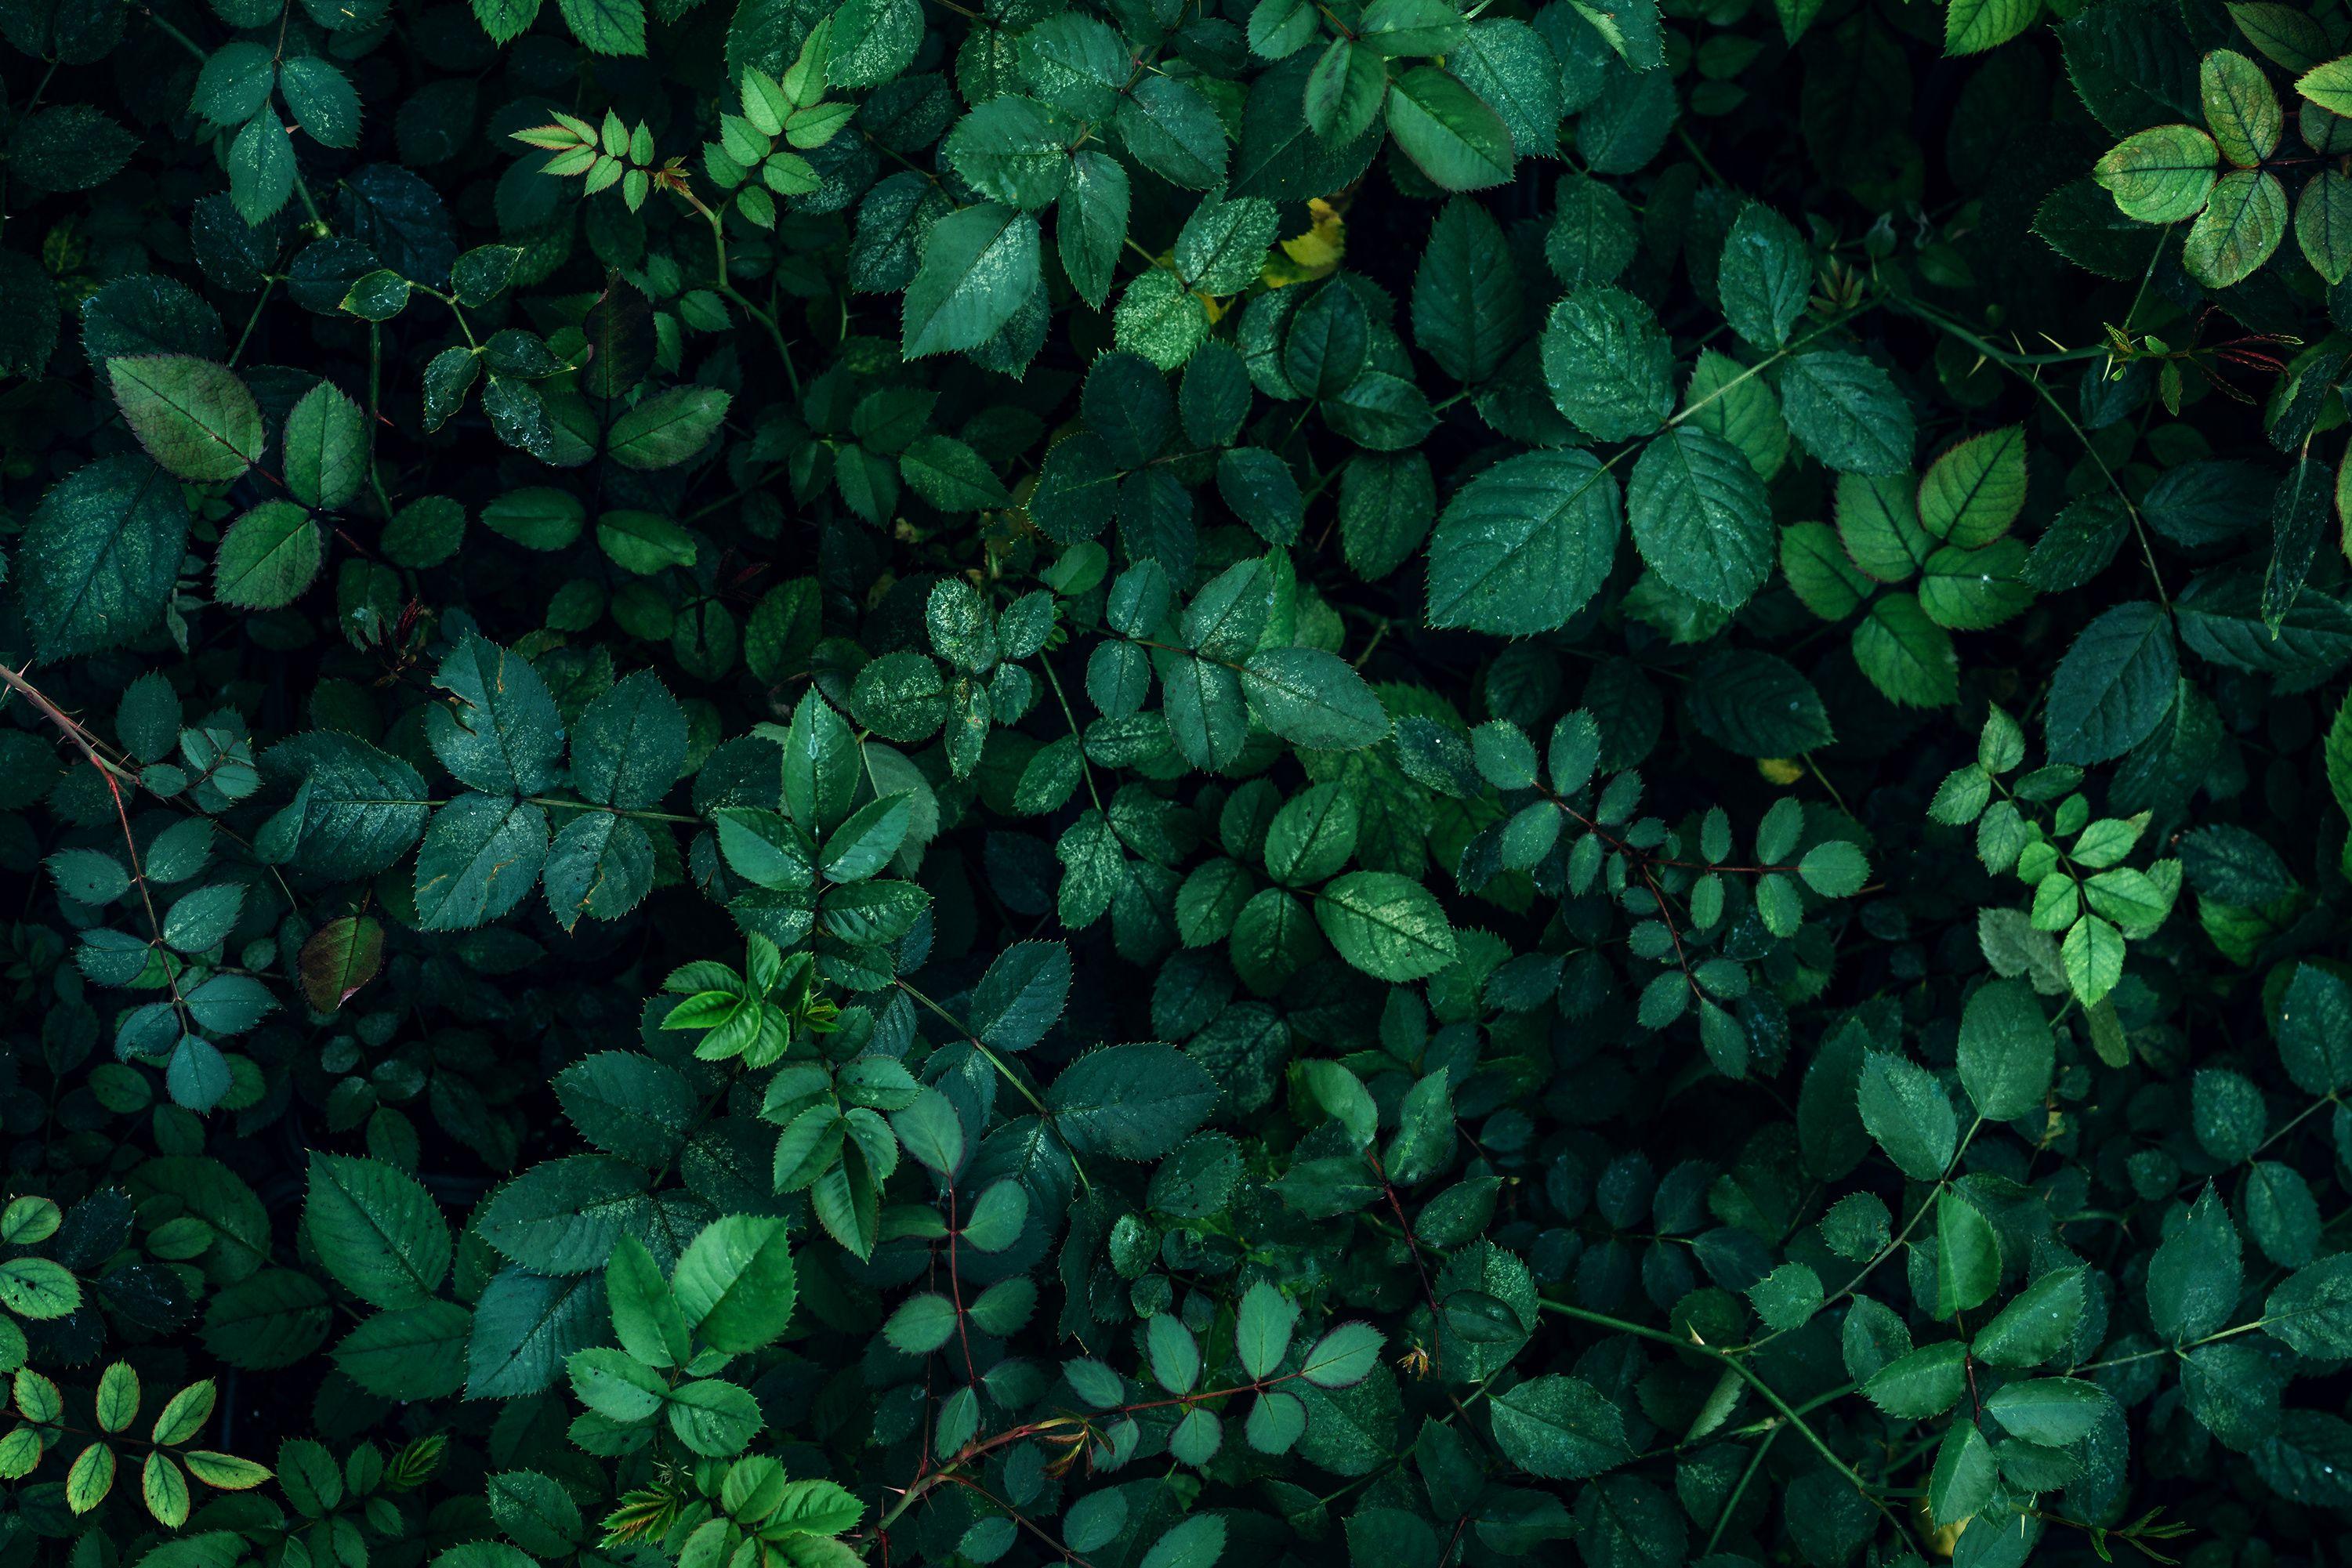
[1771, 1397]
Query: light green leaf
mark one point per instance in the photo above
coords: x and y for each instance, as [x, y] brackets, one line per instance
[267, 557]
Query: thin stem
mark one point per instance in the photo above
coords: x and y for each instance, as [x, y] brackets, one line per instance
[177, 37]
[558, 802]
[2180, 1349]
[376, 417]
[1085, 771]
[1771, 1397]
[1004, 1071]
[1760, 366]
[268, 285]
[1895, 1244]
[2023, 367]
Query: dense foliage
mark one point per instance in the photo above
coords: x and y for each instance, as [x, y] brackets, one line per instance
[1208, 781]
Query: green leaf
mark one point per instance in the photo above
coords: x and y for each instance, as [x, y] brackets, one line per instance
[1013, 150]
[1757, 705]
[1923, 1384]
[376, 1230]
[1089, 234]
[2242, 224]
[1197, 1541]
[2329, 86]
[267, 557]
[505, 20]
[599, 865]
[2194, 1278]
[1559, 1428]
[2241, 109]
[1167, 126]
[235, 83]
[1525, 544]
[90, 1478]
[1968, 1256]
[1700, 518]
[1345, 91]
[482, 853]
[2007, 1052]
[735, 1283]
[326, 448]
[2313, 1026]
[1906, 655]
[2114, 686]
[564, 1216]
[628, 746]
[1608, 367]
[1020, 995]
[667, 428]
[979, 268]
[357, 810]
[2311, 1309]
[2323, 224]
[1387, 925]
[1834, 869]
[322, 101]
[643, 543]
[500, 729]
[1786, 1297]
[192, 416]
[1263, 1327]
[262, 171]
[950, 475]
[1972, 493]
[1764, 277]
[1448, 132]
[1342, 1357]
[379, 295]
[1972, 26]
[1907, 1111]
[1847, 412]
[2050, 1411]
[606, 27]
[2037, 1325]
[1965, 1477]
[1313, 698]
[2094, 955]
[2160, 175]
[97, 563]
[1468, 304]
[1129, 1101]
[38, 1288]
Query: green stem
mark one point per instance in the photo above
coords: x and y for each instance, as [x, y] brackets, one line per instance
[558, 800]
[1085, 771]
[177, 36]
[319, 226]
[1755, 1463]
[2023, 367]
[1894, 1245]
[2175, 1349]
[997, 1062]
[269, 285]
[1788, 1412]
[1760, 366]
[726, 284]
[376, 388]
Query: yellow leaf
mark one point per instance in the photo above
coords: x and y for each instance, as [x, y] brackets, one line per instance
[1313, 255]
